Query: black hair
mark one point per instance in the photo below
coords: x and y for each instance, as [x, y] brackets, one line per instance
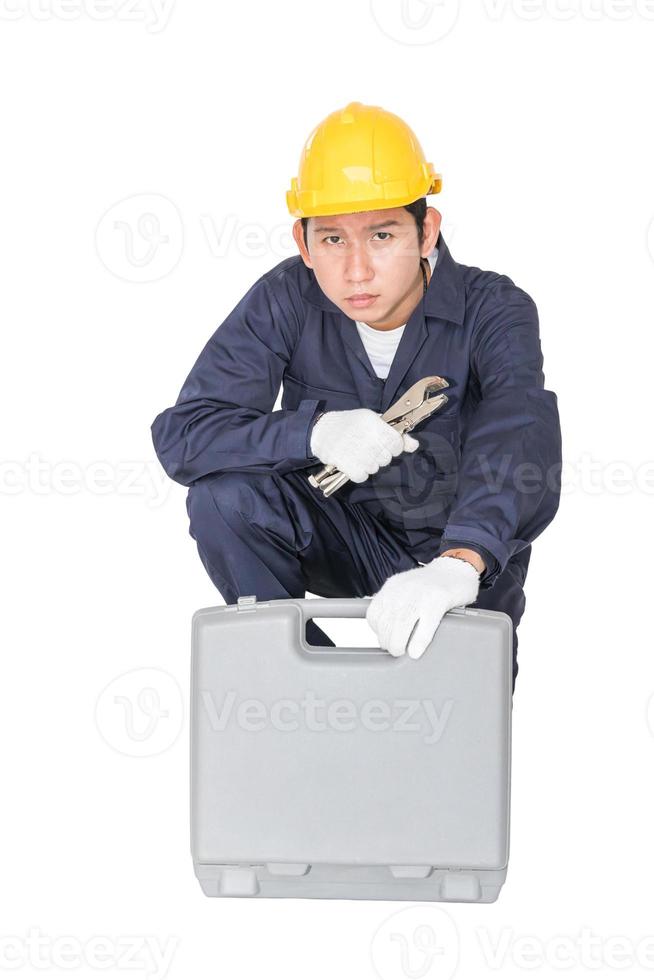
[417, 208]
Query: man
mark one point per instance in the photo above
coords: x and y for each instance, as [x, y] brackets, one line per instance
[373, 303]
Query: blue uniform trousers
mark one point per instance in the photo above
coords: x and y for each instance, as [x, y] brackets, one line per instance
[259, 532]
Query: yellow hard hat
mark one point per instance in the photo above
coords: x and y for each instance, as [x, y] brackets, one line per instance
[360, 158]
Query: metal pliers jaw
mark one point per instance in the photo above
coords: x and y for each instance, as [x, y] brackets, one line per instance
[403, 415]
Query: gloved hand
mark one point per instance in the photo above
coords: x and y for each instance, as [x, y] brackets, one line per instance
[357, 442]
[420, 596]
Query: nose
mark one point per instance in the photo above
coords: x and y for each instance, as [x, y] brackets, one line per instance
[357, 267]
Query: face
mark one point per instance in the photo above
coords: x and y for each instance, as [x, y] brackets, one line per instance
[368, 263]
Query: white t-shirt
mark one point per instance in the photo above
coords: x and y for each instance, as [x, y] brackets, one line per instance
[381, 344]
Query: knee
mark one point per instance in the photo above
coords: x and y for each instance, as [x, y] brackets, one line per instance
[233, 494]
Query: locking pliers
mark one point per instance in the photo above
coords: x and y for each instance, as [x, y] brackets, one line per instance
[403, 415]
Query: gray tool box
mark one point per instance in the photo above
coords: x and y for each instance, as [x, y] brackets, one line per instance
[331, 772]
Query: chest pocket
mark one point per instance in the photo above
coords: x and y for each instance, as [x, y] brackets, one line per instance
[295, 390]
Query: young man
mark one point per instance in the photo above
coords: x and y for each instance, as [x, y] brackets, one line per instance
[373, 303]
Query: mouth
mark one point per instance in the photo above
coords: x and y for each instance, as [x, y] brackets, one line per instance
[361, 299]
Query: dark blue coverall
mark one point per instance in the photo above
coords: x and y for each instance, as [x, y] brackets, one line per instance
[486, 475]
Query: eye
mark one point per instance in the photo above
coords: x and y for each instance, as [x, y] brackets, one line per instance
[330, 236]
[384, 233]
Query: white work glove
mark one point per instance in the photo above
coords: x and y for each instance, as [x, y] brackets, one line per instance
[357, 442]
[420, 596]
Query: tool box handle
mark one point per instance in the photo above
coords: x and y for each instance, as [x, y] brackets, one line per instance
[323, 608]
[346, 608]
[334, 608]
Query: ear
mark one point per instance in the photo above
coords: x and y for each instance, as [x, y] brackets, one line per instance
[299, 241]
[431, 229]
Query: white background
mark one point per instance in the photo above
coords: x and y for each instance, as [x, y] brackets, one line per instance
[539, 116]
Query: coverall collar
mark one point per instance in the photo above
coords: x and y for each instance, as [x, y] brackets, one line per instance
[445, 296]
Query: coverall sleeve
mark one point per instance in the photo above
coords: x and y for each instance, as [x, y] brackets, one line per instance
[509, 476]
[223, 418]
